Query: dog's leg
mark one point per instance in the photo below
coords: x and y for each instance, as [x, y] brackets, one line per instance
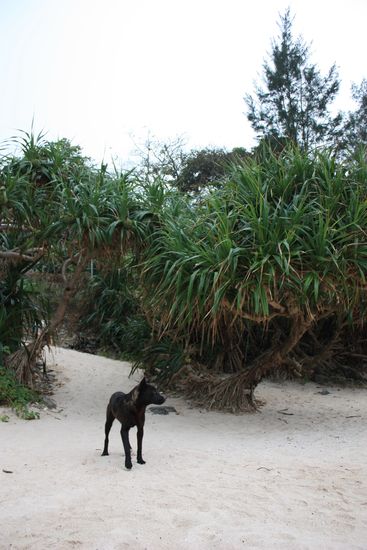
[126, 444]
[109, 420]
[140, 444]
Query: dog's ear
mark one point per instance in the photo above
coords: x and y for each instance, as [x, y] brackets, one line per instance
[137, 390]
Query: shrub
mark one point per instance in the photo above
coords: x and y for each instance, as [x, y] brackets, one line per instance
[18, 397]
[111, 312]
[250, 279]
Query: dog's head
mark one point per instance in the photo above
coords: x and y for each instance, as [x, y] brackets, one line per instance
[148, 395]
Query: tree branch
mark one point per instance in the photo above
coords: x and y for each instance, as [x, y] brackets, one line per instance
[19, 256]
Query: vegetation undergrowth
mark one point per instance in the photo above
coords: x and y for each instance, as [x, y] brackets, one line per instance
[111, 314]
[16, 396]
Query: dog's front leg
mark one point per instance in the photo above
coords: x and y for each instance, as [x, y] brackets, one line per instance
[126, 444]
[140, 444]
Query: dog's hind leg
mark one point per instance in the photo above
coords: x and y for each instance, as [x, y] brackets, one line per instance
[127, 448]
[109, 420]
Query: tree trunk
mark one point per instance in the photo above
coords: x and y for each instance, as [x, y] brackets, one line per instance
[236, 392]
[23, 360]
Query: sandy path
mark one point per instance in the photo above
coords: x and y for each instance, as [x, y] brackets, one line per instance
[212, 481]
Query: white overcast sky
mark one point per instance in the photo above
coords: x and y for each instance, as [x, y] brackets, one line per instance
[99, 71]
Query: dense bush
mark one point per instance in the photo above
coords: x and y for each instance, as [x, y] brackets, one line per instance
[110, 311]
[264, 273]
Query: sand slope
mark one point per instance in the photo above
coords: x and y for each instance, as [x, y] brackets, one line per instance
[212, 481]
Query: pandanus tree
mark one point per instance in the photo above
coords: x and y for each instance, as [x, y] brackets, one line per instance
[27, 202]
[54, 204]
[261, 276]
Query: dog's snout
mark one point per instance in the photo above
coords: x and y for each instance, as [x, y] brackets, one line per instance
[161, 399]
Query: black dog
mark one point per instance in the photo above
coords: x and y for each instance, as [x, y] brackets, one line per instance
[129, 409]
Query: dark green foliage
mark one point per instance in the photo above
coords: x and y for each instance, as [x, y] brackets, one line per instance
[23, 308]
[162, 359]
[16, 396]
[295, 100]
[111, 312]
[206, 167]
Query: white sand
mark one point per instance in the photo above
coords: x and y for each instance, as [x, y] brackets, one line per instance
[212, 481]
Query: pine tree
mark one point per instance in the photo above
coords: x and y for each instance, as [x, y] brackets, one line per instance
[295, 102]
[356, 124]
